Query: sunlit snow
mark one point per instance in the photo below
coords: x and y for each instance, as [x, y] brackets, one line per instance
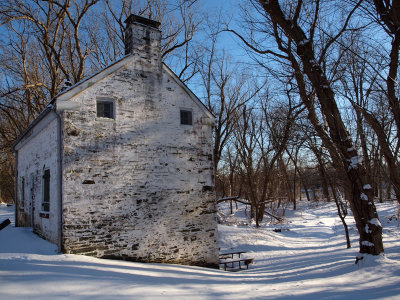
[307, 259]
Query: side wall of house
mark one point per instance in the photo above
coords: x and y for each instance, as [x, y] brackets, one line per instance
[140, 186]
[37, 152]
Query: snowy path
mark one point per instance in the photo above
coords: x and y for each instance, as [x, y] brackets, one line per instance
[307, 260]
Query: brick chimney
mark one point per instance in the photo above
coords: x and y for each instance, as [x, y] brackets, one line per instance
[143, 37]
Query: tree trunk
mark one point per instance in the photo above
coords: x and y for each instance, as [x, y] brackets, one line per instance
[342, 212]
[260, 214]
[362, 204]
[289, 194]
[314, 193]
[389, 191]
[306, 191]
[322, 172]
[390, 158]
[389, 13]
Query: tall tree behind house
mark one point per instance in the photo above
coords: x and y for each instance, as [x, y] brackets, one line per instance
[304, 50]
[49, 42]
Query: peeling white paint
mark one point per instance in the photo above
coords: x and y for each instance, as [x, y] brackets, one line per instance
[139, 186]
[38, 152]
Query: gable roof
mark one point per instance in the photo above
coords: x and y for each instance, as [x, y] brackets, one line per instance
[65, 95]
[41, 116]
[61, 100]
[89, 81]
[188, 91]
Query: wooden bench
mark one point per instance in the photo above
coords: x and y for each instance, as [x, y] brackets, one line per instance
[230, 254]
[230, 262]
[245, 261]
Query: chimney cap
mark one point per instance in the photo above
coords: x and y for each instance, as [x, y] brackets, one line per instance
[142, 20]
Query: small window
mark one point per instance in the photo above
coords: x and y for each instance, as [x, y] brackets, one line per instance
[22, 194]
[46, 191]
[186, 117]
[105, 109]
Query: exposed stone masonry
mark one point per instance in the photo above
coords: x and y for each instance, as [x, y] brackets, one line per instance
[139, 187]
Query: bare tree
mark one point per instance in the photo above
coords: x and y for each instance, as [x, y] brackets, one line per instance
[180, 21]
[226, 90]
[53, 41]
[387, 15]
[303, 44]
[46, 46]
[261, 137]
[362, 85]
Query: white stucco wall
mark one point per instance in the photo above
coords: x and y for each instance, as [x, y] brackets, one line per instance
[137, 187]
[141, 186]
[37, 152]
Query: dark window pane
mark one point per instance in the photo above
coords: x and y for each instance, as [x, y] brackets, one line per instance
[22, 192]
[100, 109]
[105, 109]
[186, 117]
[46, 206]
[108, 113]
[46, 191]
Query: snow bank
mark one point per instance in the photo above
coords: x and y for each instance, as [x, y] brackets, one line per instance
[308, 259]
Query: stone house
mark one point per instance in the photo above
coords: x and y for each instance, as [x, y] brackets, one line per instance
[120, 164]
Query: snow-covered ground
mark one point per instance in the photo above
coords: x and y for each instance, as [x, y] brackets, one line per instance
[308, 259]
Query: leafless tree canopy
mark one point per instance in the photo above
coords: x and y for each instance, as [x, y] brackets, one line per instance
[46, 43]
[322, 50]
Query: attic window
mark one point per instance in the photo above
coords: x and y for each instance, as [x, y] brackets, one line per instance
[105, 109]
[186, 117]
